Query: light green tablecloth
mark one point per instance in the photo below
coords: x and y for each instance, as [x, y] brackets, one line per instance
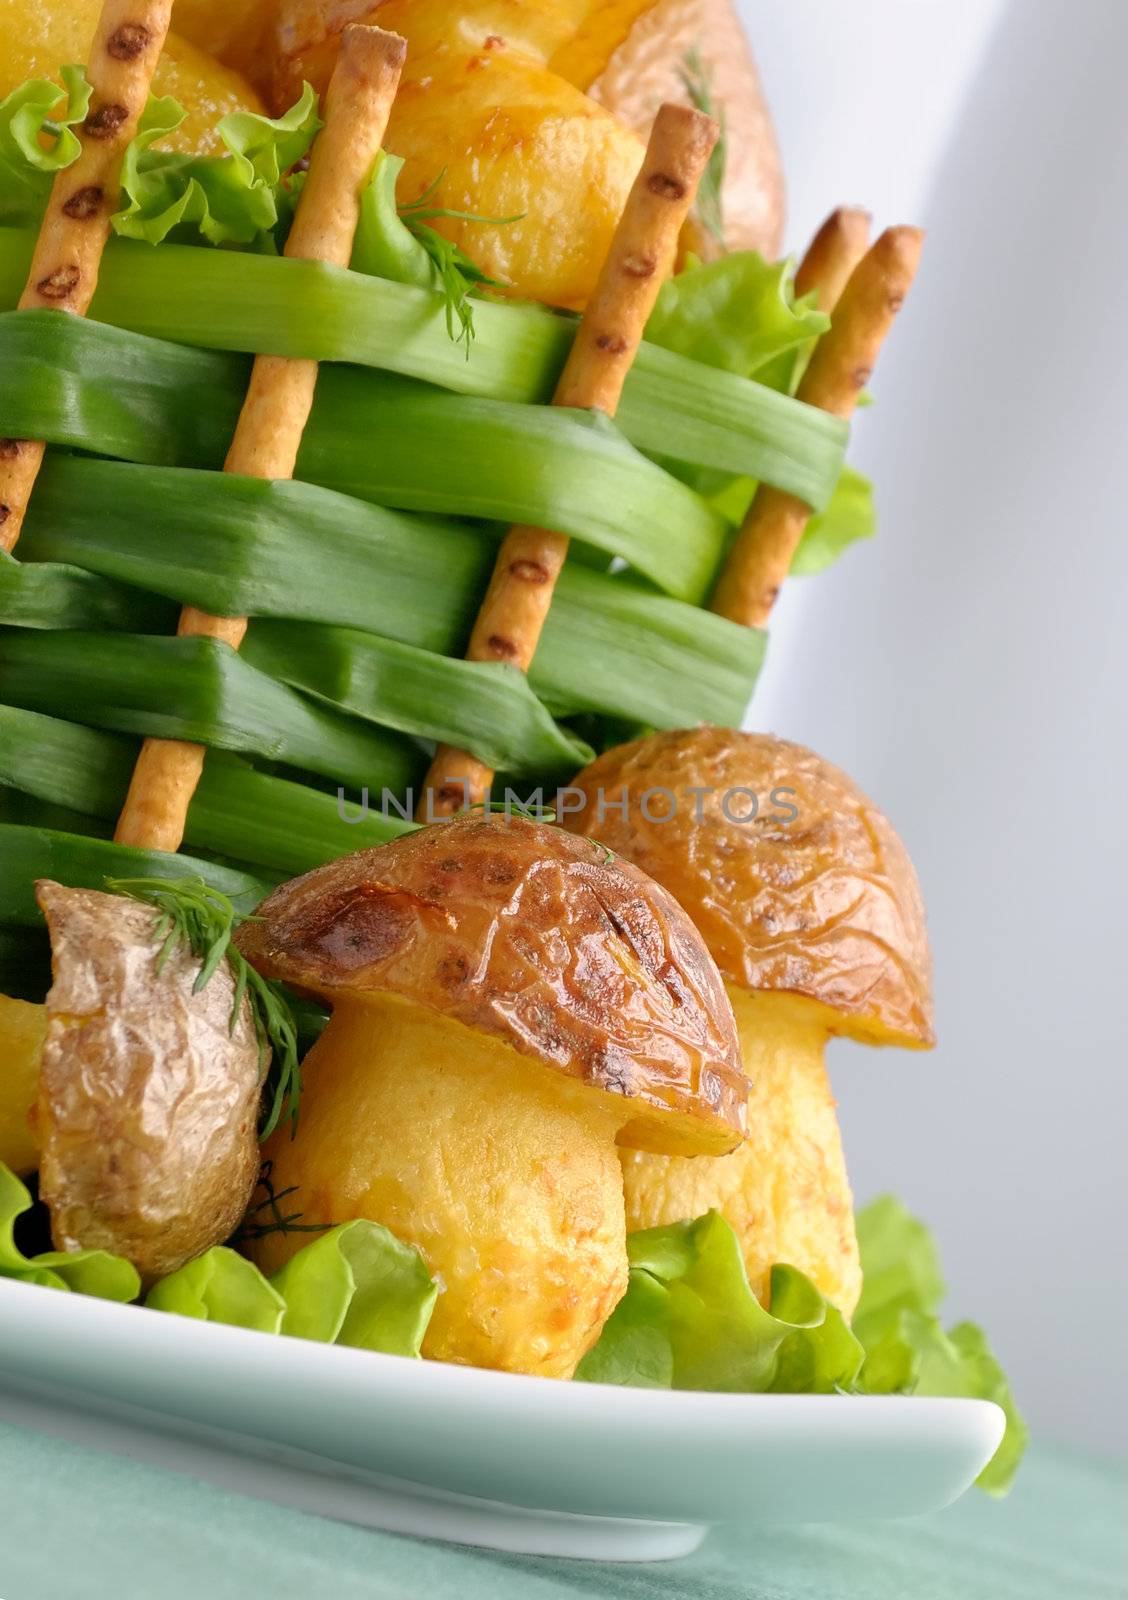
[80, 1525]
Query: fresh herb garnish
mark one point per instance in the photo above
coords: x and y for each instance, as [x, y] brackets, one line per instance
[456, 274]
[254, 1226]
[697, 80]
[204, 919]
[534, 812]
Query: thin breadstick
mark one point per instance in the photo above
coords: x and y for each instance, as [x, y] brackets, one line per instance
[832, 255]
[281, 390]
[840, 368]
[64, 269]
[641, 256]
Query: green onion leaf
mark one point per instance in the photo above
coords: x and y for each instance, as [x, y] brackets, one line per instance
[226, 300]
[198, 690]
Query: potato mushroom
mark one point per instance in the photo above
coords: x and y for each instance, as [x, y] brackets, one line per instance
[809, 904]
[148, 1101]
[508, 1006]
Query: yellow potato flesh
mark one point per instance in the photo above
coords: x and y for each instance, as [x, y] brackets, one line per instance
[786, 1191]
[502, 1172]
[600, 30]
[23, 1029]
[40, 36]
[517, 141]
[236, 32]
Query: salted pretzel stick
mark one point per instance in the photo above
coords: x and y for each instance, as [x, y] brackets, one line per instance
[280, 393]
[832, 255]
[641, 256]
[64, 269]
[840, 368]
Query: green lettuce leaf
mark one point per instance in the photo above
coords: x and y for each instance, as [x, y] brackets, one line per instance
[358, 1285]
[385, 246]
[850, 516]
[92, 1272]
[689, 1320]
[36, 141]
[234, 199]
[907, 1350]
[738, 313]
[220, 1286]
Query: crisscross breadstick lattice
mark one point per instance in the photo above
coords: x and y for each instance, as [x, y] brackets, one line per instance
[840, 368]
[84, 196]
[832, 255]
[281, 390]
[642, 254]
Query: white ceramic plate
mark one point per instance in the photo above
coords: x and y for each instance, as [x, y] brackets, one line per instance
[520, 1464]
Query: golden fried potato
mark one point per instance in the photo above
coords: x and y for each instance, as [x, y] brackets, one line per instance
[497, 1168]
[237, 32]
[507, 1005]
[517, 141]
[39, 37]
[148, 1101]
[23, 1028]
[785, 1191]
[511, 139]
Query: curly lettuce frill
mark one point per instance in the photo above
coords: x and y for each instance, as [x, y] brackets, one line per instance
[355, 1285]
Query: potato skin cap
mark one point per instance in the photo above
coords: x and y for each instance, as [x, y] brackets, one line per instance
[825, 905]
[148, 1103]
[520, 930]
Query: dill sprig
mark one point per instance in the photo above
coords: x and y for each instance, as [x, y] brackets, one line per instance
[194, 914]
[697, 80]
[456, 275]
[254, 1226]
[514, 808]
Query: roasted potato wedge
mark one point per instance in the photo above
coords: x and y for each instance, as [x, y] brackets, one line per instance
[148, 1101]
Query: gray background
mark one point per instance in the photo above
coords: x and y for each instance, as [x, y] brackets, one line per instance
[970, 666]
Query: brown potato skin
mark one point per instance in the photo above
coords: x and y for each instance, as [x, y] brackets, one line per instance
[646, 69]
[518, 929]
[826, 905]
[147, 1104]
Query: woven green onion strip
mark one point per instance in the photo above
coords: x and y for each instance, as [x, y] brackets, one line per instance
[222, 300]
